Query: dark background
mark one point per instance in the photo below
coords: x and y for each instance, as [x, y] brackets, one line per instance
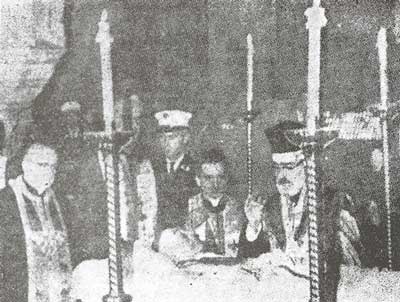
[191, 55]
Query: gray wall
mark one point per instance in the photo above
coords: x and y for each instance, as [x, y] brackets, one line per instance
[192, 55]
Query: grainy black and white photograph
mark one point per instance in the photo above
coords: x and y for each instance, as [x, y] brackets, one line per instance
[199, 150]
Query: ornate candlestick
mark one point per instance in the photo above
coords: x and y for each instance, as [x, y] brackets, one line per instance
[250, 115]
[315, 21]
[382, 53]
[116, 293]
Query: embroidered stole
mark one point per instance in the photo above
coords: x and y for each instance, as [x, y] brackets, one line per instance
[289, 232]
[212, 226]
[147, 194]
[49, 263]
[215, 230]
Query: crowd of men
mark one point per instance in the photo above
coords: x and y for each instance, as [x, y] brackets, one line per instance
[171, 203]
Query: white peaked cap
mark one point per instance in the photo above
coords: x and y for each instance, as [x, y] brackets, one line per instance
[70, 106]
[170, 119]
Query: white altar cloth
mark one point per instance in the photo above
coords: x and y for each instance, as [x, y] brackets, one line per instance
[156, 278]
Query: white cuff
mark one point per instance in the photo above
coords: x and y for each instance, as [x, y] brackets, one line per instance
[252, 233]
[201, 231]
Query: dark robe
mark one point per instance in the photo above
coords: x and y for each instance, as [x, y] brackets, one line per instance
[226, 219]
[13, 258]
[329, 244]
[14, 278]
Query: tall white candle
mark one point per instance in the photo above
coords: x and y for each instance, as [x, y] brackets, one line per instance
[382, 53]
[250, 53]
[105, 40]
[315, 21]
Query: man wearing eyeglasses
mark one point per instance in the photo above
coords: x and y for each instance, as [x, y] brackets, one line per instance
[279, 224]
[35, 262]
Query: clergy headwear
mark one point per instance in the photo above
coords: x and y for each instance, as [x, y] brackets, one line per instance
[170, 120]
[213, 155]
[283, 149]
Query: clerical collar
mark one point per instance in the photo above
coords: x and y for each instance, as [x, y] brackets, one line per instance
[214, 201]
[214, 209]
[176, 162]
[32, 190]
[294, 200]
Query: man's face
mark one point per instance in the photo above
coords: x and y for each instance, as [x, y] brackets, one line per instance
[39, 167]
[212, 180]
[290, 177]
[173, 143]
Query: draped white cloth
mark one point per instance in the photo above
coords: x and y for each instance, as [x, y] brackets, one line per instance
[155, 278]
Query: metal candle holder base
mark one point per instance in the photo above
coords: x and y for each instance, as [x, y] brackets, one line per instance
[120, 298]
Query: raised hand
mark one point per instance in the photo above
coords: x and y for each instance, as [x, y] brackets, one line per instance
[254, 208]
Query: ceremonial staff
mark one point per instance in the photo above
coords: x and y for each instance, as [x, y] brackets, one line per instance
[116, 293]
[382, 53]
[315, 21]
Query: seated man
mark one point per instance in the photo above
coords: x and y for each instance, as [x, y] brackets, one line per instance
[214, 218]
[280, 224]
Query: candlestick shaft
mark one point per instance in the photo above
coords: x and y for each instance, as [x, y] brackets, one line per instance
[116, 293]
[313, 228]
[113, 217]
[386, 168]
[249, 159]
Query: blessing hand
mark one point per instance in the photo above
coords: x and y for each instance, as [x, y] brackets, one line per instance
[254, 210]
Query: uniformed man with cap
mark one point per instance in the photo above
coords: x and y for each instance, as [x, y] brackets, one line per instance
[280, 223]
[164, 178]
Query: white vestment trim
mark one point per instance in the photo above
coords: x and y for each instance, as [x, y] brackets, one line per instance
[147, 194]
[49, 263]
